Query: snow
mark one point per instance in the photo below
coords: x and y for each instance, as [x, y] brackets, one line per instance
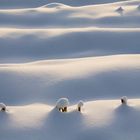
[63, 16]
[124, 100]
[2, 106]
[104, 119]
[55, 54]
[62, 102]
[80, 103]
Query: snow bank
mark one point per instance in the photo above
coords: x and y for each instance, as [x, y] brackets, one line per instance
[83, 78]
[80, 105]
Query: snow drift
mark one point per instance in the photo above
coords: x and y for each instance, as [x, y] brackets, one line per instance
[105, 119]
[18, 45]
[76, 79]
[54, 50]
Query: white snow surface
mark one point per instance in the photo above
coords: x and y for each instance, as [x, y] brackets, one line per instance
[80, 103]
[2, 105]
[35, 3]
[62, 102]
[124, 99]
[85, 50]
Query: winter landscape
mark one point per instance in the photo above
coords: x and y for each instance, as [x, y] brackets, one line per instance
[69, 69]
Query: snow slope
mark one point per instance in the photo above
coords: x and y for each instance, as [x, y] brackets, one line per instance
[87, 79]
[24, 45]
[77, 49]
[104, 120]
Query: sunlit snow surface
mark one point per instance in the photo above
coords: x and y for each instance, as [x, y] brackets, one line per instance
[75, 49]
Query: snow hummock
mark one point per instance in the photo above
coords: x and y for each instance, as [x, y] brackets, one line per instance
[51, 49]
[80, 103]
[124, 100]
[54, 5]
[62, 102]
[2, 107]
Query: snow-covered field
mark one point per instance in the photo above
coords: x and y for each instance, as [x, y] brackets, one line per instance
[77, 49]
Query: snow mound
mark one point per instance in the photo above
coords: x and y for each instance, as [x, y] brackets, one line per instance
[62, 102]
[124, 100]
[101, 119]
[80, 103]
[54, 5]
[2, 107]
